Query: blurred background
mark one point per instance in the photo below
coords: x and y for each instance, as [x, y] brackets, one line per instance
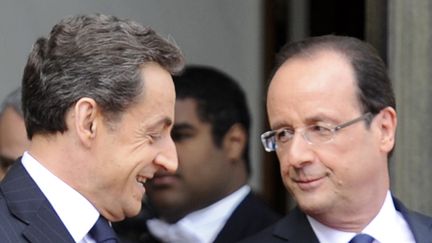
[241, 38]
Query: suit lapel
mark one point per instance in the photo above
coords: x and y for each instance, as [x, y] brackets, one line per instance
[420, 225]
[231, 229]
[45, 226]
[250, 217]
[27, 202]
[295, 228]
[234, 227]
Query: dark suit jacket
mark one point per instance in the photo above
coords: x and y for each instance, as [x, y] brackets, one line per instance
[296, 228]
[25, 213]
[251, 216]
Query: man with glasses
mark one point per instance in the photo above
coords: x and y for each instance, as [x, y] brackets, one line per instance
[331, 108]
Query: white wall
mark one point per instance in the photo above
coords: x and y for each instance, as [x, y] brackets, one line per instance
[224, 33]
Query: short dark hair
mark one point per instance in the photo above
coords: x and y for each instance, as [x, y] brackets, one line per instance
[375, 91]
[96, 56]
[220, 101]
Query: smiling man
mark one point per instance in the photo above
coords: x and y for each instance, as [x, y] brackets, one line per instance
[98, 101]
[207, 199]
[331, 108]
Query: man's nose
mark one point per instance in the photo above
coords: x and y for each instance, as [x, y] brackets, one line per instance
[297, 151]
[167, 157]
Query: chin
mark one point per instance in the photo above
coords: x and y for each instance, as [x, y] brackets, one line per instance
[132, 209]
[312, 207]
[132, 212]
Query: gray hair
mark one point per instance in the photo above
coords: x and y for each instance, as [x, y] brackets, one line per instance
[96, 56]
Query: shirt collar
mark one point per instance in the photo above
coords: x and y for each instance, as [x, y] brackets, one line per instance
[205, 224]
[75, 211]
[387, 226]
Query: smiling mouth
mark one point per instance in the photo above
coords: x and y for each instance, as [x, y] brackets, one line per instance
[163, 180]
[307, 184]
[306, 180]
[142, 179]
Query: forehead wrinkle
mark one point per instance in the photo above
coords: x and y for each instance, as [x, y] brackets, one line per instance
[162, 122]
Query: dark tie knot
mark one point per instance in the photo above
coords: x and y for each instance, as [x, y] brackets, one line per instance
[103, 232]
[362, 238]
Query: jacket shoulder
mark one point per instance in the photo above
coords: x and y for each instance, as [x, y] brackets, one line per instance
[10, 226]
[251, 216]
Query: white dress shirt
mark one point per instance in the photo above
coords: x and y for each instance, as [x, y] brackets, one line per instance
[75, 211]
[201, 226]
[388, 226]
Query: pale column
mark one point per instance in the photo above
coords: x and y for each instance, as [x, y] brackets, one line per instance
[410, 64]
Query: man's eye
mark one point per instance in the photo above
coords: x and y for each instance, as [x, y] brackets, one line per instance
[180, 136]
[284, 135]
[156, 135]
[319, 129]
[153, 137]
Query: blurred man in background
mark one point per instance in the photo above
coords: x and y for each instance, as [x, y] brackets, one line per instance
[207, 199]
[13, 137]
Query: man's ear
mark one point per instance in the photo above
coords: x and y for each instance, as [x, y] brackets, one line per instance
[85, 111]
[234, 142]
[387, 126]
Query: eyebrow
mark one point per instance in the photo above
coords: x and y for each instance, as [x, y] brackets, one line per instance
[167, 121]
[307, 121]
[279, 125]
[164, 122]
[317, 118]
[183, 126]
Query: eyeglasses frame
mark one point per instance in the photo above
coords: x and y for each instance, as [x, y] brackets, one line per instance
[264, 137]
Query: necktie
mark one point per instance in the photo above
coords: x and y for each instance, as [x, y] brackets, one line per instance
[362, 238]
[102, 232]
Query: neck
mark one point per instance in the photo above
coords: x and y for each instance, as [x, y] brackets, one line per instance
[353, 219]
[61, 159]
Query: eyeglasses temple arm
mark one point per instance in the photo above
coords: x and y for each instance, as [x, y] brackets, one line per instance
[363, 117]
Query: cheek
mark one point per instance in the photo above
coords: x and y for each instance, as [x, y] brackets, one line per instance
[200, 167]
[284, 169]
[144, 154]
[192, 153]
[191, 162]
[285, 176]
[345, 163]
[284, 165]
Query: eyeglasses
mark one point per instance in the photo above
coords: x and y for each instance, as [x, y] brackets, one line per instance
[313, 134]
